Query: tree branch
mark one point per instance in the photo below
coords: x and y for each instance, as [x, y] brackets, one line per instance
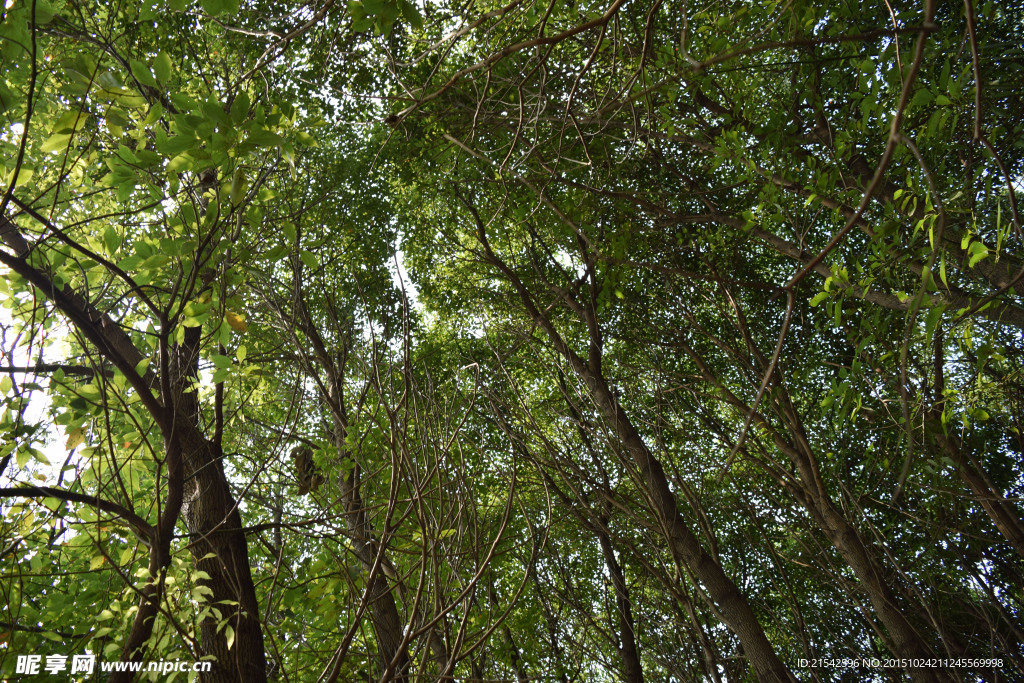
[143, 529]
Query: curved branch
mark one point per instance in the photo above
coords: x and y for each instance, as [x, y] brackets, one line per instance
[143, 529]
[97, 326]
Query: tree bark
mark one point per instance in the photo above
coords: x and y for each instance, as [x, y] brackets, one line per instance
[632, 670]
[810, 491]
[684, 546]
[1001, 511]
[387, 624]
[197, 486]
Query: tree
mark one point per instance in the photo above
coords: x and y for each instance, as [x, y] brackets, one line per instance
[591, 341]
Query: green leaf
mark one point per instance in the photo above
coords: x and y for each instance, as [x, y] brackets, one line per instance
[89, 392]
[44, 12]
[240, 107]
[179, 164]
[212, 7]
[932, 321]
[57, 141]
[411, 14]
[163, 67]
[922, 97]
[195, 320]
[70, 121]
[176, 144]
[220, 361]
[142, 74]
[264, 138]
[238, 185]
[977, 251]
[111, 239]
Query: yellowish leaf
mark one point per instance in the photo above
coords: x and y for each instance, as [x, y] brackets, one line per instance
[75, 438]
[236, 321]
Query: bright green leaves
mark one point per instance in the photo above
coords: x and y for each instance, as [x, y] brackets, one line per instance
[977, 251]
[238, 186]
[240, 107]
[204, 134]
[309, 259]
[112, 239]
[55, 142]
[222, 368]
[217, 7]
[382, 14]
[263, 137]
[15, 26]
[195, 314]
[64, 130]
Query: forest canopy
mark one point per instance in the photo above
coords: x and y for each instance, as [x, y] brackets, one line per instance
[554, 340]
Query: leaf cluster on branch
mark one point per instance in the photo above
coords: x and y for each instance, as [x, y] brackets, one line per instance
[570, 341]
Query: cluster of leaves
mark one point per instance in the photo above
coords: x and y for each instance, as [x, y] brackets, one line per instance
[510, 341]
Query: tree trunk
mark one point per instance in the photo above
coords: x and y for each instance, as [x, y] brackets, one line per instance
[216, 539]
[686, 549]
[1001, 511]
[632, 671]
[195, 481]
[387, 624]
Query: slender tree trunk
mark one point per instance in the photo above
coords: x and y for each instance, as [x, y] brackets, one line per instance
[810, 490]
[685, 547]
[516, 657]
[387, 624]
[1001, 511]
[632, 671]
[906, 642]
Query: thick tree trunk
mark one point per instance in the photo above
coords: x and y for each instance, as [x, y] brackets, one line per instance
[215, 528]
[216, 539]
[196, 485]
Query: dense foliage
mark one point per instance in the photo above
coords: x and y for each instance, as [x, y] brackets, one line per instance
[565, 341]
